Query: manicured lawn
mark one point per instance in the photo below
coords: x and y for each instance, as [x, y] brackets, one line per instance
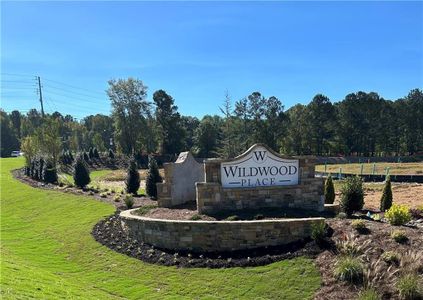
[47, 252]
[380, 168]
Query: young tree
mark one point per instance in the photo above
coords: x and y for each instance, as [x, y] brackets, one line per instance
[153, 177]
[207, 136]
[228, 148]
[386, 199]
[48, 139]
[81, 174]
[132, 181]
[329, 190]
[49, 172]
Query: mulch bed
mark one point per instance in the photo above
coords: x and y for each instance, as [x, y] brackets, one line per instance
[110, 233]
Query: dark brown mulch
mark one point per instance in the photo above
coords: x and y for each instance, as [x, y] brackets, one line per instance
[109, 232]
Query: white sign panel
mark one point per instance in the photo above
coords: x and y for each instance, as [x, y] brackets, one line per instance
[259, 168]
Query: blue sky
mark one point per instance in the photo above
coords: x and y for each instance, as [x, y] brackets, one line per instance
[197, 50]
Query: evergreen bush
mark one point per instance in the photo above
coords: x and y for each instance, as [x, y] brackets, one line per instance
[49, 172]
[352, 195]
[386, 200]
[91, 153]
[111, 154]
[153, 177]
[40, 168]
[132, 181]
[398, 215]
[96, 154]
[329, 190]
[81, 175]
[86, 156]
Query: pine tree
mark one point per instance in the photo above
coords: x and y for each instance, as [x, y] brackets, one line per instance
[96, 154]
[81, 175]
[49, 172]
[132, 181]
[91, 153]
[153, 177]
[329, 190]
[386, 200]
[86, 156]
[111, 154]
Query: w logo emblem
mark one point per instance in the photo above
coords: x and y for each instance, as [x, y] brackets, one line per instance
[259, 156]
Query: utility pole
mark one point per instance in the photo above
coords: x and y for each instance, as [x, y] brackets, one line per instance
[41, 96]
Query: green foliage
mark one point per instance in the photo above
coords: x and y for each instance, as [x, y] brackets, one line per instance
[410, 286]
[129, 201]
[259, 217]
[390, 257]
[132, 181]
[81, 173]
[111, 154]
[399, 236]
[153, 177]
[359, 225]
[195, 217]
[145, 209]
[9, 138]
[49, 172]
[369, 294]
[318, 231]
[341, 215]
[232, 218]
[329, 190]
[386, 199]
[207, 136]
[352, 195]
[398, 215]
[350, 269]
[351, 246]
[96, 154]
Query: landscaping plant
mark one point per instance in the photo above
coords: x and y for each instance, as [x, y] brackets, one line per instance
[409, 286]
[369, 294]
[399, 236]
[318, 231]
[153, 177]
[81, 173]
[132, 181]
[329, 190]
[352, 195]
[359, 225]
[49, 172]
[129, 201]
[386, 200]
[349, 269]
[398, 215]
[111, 154]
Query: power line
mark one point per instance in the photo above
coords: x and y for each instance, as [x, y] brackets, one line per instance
[70, 91]
[18, 75]
[71, 86]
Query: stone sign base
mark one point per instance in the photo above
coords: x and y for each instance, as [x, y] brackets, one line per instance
[216, 236]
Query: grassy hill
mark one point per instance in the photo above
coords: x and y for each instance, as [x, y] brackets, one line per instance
[47, 252]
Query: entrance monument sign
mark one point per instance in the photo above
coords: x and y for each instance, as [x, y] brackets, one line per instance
[259, 168]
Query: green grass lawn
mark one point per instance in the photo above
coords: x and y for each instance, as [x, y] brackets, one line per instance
[380, 168]
[47, 252]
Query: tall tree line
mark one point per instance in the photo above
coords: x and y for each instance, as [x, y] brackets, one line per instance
[361, 124]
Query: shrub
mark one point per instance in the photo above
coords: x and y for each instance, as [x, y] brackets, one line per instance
[359, 225]
[352, 195]
[81, 173]
[390, 257]
[153, 177]
[91, 153]
[111, 154]
[369, 294]
[49, 173]
[376, 217]
[195, 217]
[95, 153]
[103, 195]
[132, 181]
[350, 246]
[342, 215]
[386, 200]
[116, 198]
[129, 201]
[409, 287]
[318, 231]
[232, 218]
[259, 217]
[349, 269]
[399, 236]
[329, 190]
[145, 209]
[398, 215]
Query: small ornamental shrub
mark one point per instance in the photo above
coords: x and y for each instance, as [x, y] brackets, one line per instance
[352, 195]
[409, 286]
[81, 173]
[196, 217]
[145, 209]
[103, 195]
[352, 246]
[399, 236]
[390, 257]
[91, 153]
[153, 177]
[232, 218]
[329, 191]
[129, 201]
[132, 181]
[86, 156]
[318, 231]
[341, 215]
[258, 217]
[95, 153]
[349, 269]
[398, 215]
[111, 154]
[359, 225]
[116, 198]
[49, 173]
[369, 294]
[40, 168]
[386, 200]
